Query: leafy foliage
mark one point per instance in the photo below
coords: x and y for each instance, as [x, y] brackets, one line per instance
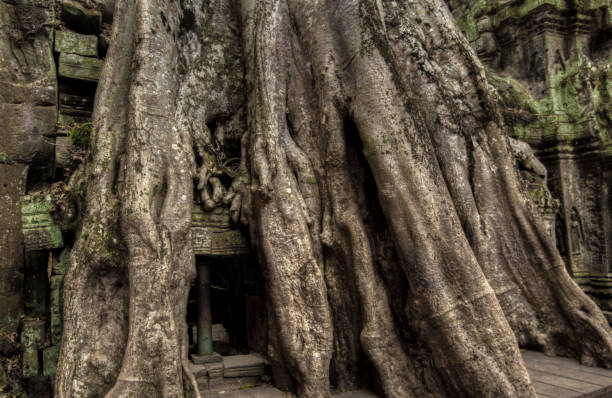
[80, 135]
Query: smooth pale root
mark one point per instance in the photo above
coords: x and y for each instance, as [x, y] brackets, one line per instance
[377, 183]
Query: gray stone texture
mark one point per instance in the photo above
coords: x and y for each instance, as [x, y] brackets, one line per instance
[12, 186]
[214, 235]
[80, 18]
[30, 365]
[27, 117]
[78, 67]
[33, 334]
[75, 43]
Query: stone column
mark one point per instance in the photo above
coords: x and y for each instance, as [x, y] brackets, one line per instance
[205, 343]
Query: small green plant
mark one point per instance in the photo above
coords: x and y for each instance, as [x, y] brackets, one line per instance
[80, 134]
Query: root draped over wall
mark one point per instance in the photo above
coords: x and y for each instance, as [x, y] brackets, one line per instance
[375, 177]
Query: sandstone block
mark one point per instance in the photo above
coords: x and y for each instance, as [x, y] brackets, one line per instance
[213, 235]
[63, 152]
[39, 230]
[78, 67]
[33, 334]
[74, 43]
[50, 357]
[30, 365]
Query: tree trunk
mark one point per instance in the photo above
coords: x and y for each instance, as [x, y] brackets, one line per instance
[378, 184]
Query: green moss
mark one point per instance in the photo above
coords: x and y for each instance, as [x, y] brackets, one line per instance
[59, 266]
[30, 365]
[467, 21]
[578, 104]
[39, 228]
[80, 135]
[50, 357]
[33, 334]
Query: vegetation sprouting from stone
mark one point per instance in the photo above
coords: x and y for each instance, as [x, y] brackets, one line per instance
[80, 135]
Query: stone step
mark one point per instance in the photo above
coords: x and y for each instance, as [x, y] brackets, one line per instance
[244, 365]
[232, 366]
[233, 373]
[264, 391]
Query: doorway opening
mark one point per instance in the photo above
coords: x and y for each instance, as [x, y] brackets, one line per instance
[234, 310]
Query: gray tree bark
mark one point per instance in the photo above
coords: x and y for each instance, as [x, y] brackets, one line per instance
[377, 182]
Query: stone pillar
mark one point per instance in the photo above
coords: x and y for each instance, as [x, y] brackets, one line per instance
[205, 343]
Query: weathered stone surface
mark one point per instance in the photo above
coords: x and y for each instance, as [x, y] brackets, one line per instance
[75, 43]
[213, 235]
[57, 282]
[12, 187]
[27, 86]
[204, 359]
[81, 19]
[39, 229]
[79, 67]
[60, 262]
[63, 152]
[33, 334]
[25, 135]
[214, 370]
[27, 116]
[244, 365]
[50, 357]
[30, 364]
[27, 70]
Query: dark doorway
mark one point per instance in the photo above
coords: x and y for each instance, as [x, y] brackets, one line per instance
[237, 306]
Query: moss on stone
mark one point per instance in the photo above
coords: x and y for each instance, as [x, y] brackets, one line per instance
[33, 334]
[467, 20]
[50, 357]
[578, 104]
[39, 229]
[30, 365]
[78, 67]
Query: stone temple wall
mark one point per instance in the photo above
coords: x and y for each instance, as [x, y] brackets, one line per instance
[550, 62]
[50, 58]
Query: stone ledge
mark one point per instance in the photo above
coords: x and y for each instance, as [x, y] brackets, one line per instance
[78, 67]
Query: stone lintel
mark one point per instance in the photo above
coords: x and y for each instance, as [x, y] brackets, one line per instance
[214, 235]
